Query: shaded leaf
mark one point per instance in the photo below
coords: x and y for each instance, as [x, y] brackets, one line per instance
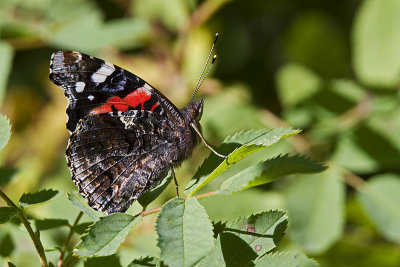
[5, 131]
[375, 43]
[228, 250]
[82, 227]
[238, 146]
[6, 174]
[10, 264]
[185, 232]
[152, 194]
[108, 261]
[6, 244]
[296, 83]
[260, 231]
[268, 171]
[6, 55]
[315, 207]
[6, 213]
[78, 201]
[105, 235]
[38, 198]
[146, 261]
[50, 224]
[286, 259]
[380, 199]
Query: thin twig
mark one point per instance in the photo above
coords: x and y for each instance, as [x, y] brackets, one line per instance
[36, 240]
[71, 232]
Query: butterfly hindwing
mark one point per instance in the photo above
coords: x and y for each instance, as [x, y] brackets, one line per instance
[114, 159]
[94, 86]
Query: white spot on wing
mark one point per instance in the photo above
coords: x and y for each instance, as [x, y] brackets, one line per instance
[90, 97]
[101, 74]
[79, 86]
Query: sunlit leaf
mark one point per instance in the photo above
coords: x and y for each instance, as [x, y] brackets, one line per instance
[6, 55]
[315, 207]
[106, 235]
[380, 198]
[375, 43]
[107, 261]
[5, 131]
[261, 231]
[185, 232]
[236, 147]
[78, 201]
[268, 171]
[285, 259]
[38, 198]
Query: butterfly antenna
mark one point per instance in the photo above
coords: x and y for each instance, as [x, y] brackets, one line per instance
[201, 79]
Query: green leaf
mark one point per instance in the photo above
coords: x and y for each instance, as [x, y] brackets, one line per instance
[6, 244]
[108, 261]
[50, 224]
[375, 43]
[38, 198]
[82, 227]
[380, 199]
[296, 84]
[239, 146]
[6, 213]
[286, 259]
[10, 264]
[268, 171]
[152, 194]
[105, 235]
[6, 55]
[228, 250]
[146, 261]
[185, 232]
[315, 206]
[78, 201]
[5, 130]
[6, 174]
[261, 231]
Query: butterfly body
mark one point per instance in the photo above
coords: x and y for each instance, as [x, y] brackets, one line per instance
[125, 135]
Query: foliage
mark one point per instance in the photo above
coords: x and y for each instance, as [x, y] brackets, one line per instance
[329, 68]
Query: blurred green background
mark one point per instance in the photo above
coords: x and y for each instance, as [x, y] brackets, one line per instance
[330, 68]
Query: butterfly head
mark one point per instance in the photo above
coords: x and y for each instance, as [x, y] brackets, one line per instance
[193, 112]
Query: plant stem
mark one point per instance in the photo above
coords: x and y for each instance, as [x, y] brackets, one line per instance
[71, 232]
[36, 241]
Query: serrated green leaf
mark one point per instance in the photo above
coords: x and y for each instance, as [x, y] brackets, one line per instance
[50, 224]
[146, 261]
[268, 171]
[375, 43]
[6, 213]
[285, 259]
[82, 227]
[260, 231]
[6, 55]
[185, 232]
[296, 83]
[6, 174]
[5, 131]
[152, 194]
[107, 261]
[228, 250]
[38, 198]
[105, 235]
[380, 199]
[78, 201]
[6, 244]
[315, 207]
[238, 147]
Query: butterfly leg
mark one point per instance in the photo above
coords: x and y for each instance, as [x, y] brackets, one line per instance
[176, 181]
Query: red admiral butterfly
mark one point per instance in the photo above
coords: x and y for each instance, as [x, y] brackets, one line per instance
[125, 135]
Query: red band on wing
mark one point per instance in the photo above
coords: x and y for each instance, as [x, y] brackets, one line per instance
[134, 99]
